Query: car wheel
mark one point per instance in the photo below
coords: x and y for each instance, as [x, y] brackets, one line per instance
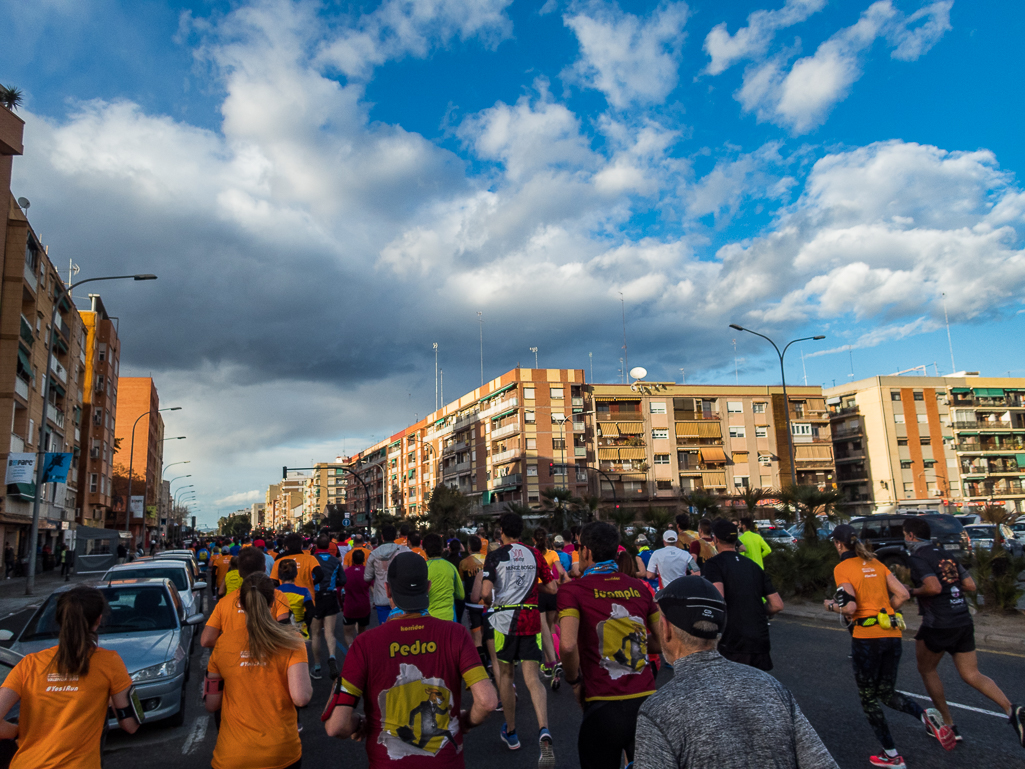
[178, 719]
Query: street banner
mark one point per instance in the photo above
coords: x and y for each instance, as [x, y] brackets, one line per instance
[21, 468]
[137, 506]
[56, 467]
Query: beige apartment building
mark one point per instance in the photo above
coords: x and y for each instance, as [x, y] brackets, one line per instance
[951, 443]
[326, 487]
[285, 502]
[642, 444]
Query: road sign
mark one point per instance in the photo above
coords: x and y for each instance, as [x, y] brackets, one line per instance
[346, 522]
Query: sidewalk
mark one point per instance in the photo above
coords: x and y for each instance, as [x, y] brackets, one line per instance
[12, 591]
[1003, 632]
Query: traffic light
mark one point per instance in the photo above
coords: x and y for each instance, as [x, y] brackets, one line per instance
[551, 468]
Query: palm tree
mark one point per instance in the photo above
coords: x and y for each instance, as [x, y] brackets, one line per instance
[10, 97]
[996, 515]
[562, 506]
[659, 518]
[705, 505]
[590, 506]
[805, 503]
[621, 518]
[751, 498]
[517, 508]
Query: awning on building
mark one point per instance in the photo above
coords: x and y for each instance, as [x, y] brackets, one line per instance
[631, 453]
[1021, 460]
[713, 479]
[26, 362]
[706, 429]
[812, 452]
[608, 429]
[498, 392]
[713, 454]
[503, 415]
[965, 432]
[988, 392]
[961, 390]
[626, 398]
[608, 455]
[631, 428]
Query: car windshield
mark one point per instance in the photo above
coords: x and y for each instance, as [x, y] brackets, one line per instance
[943, 524]
[177, 576]
[980, 532]
[133, 609]
[1018, 526]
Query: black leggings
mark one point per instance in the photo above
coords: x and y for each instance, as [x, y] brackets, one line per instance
[607, 731]
[875, 671]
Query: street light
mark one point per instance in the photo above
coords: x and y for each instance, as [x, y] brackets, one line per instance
[184, 462]
[190, 486]
[179, 478]
[783, 375]
[179, 438]
[131, 459]
[30, 583]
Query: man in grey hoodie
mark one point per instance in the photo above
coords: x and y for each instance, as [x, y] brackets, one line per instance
[377, 570]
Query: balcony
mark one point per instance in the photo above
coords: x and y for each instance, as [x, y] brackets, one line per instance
[30, 277]
[496, 408]
[580, 451]
[506, 456]
[55, 415]
[21, 387]
[457, 469]
[58, 370]
[17, 444]
[454, 448]
[505, 431]
[986, 425]
[26, 332]
[1003, 486]
[508, 481]
[979, 448]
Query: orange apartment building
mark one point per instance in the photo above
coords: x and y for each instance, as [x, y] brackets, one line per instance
[139, 409]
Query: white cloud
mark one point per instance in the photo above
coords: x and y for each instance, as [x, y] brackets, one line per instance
[802, 97]
[889, 333]
[240, 499]
[631, 60]
[753, 41]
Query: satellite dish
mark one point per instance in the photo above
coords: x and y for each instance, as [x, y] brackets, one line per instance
[638, 372]
[23, 202]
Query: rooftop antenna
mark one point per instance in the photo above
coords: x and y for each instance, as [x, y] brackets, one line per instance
[24, 204]
[442, 374]
[804, 367]
[436, 395]
[534, 350]
[622, 371]
[683, 376]
[736, 363]
[626, 358]
[590, 359]
[480, 320]
[850, 352]
[950, 344]
[73, 270]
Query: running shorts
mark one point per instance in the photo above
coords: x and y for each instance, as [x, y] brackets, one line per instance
[954, 640]
[518, 648]
[326, 605]
[546, 602]
[363, 621]
[607, 731]
[476, 617]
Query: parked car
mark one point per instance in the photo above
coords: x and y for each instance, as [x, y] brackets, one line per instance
[1018, 527]
[177, 571]
[187, 559]
[969, 519]
[777, 535]
[982, 536]
[147, 625]
[885, 535]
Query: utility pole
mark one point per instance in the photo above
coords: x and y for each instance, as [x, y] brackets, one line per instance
[534, 350]
[626, 358]
[590, 360]
[736, 363]
[436, 393]
[950, 344]
[480, 320]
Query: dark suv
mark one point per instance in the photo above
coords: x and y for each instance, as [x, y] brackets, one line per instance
[885, 535]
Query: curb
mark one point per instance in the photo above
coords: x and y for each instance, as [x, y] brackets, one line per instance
[994, 641]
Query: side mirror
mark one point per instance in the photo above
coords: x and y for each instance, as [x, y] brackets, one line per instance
[199, 586]
[6, 635]
[195, 619]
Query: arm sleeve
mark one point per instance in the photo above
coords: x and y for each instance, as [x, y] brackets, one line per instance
[215, 620]
[694, 548]
[469, 660]
[652, 750]
[711, 571]
[368, 571]
[15, 680]
[920, 569]
[811, 752]
[354, 674]
[317, 575]
[765, 546]
[298, 655]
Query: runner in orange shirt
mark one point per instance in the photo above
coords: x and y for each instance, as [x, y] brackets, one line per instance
[309, 571]
[63, 691]
[228, 617]
[357, 544]
[257, 681]
[413, 543]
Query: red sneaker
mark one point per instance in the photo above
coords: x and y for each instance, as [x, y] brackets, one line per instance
[935, 726]
[884, 760]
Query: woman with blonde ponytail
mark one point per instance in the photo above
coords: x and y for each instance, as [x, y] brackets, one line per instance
[257, 679]
[64, 691]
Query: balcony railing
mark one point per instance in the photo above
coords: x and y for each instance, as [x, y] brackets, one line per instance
[507, 481]
[497, 408]
[17, 444]
[26, 332]
[1002, 486]
[506, 431]
[453, 448]
[506, 456]
[21, 387]
[58, 370]
[56, 415]
[983, 425]
[30, 276]
[981, 447]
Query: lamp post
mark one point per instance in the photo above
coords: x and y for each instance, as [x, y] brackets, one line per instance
[179, 478]
[185, 462]
[783, 375]
[131, 460]
[30, 583]
[177, 499]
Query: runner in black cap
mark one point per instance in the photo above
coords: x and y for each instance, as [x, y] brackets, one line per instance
[715, 712]
[411, 671]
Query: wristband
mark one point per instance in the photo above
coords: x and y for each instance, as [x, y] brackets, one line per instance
[212, 685]
[576, 681]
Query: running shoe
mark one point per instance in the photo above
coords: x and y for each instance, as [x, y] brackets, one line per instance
[315, 672]
[896, 762]
[547, 670]
[511, 740]
[332, 668]
[1018, 722]
[934, 725]
[498, 708]
[556, 676]
[547, 759]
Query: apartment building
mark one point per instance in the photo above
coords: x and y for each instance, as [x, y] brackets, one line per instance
[326, 487]
[659, 441]
[954, 442]
[102, 354]
[139, 434]
[35, 307]
[286, 502]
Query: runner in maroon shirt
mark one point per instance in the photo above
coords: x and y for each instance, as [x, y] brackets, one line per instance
[605, 618]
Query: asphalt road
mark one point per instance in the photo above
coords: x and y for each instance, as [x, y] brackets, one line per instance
[810, 659]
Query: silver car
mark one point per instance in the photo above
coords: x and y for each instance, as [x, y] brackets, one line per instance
[147, 625]
[176, 571]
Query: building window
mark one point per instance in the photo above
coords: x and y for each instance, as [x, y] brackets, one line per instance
[909, 488]
[902, 441]
[661, 459]
[531, 444]
[929, 463]
[925, 441]
[762, 432]
[658, 408]
[664, 485]
[740, 481]
[633, 486]
[894, 395]
[919, 396]
[905, 464]
[659, 434]
[898, 419]
[556, 393]
[533, 496]
[528, 393]
[559, 444]
[738, 432]
[528, 416]
[735, 407]
[92, 482]
[764, 459]
[800, 428]
[532, 471]
[758, 408]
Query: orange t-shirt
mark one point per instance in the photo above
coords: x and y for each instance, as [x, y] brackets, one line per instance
[230, 619]
[62, 718]
[347, 561]
[419, 551]
[551, 558]
[400, 540]
[259, 728]
[483, 546]
[870, 591]
[305, 563]
[220, 564]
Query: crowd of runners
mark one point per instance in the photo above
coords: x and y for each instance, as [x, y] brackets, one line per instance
[427, 616]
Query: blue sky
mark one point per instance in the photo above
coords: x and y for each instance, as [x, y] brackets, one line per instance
[326, 189]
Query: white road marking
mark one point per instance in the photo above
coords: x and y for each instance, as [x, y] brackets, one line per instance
[197, 735]
[957, 705]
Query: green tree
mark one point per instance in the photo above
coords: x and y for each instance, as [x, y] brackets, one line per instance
[705, 505]
[10, 97]
[658, 518]
[621, 518]
[996, 515]
[447, 508]
[235, 525]
[562, 507]
[804, 504]
[751, 497]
